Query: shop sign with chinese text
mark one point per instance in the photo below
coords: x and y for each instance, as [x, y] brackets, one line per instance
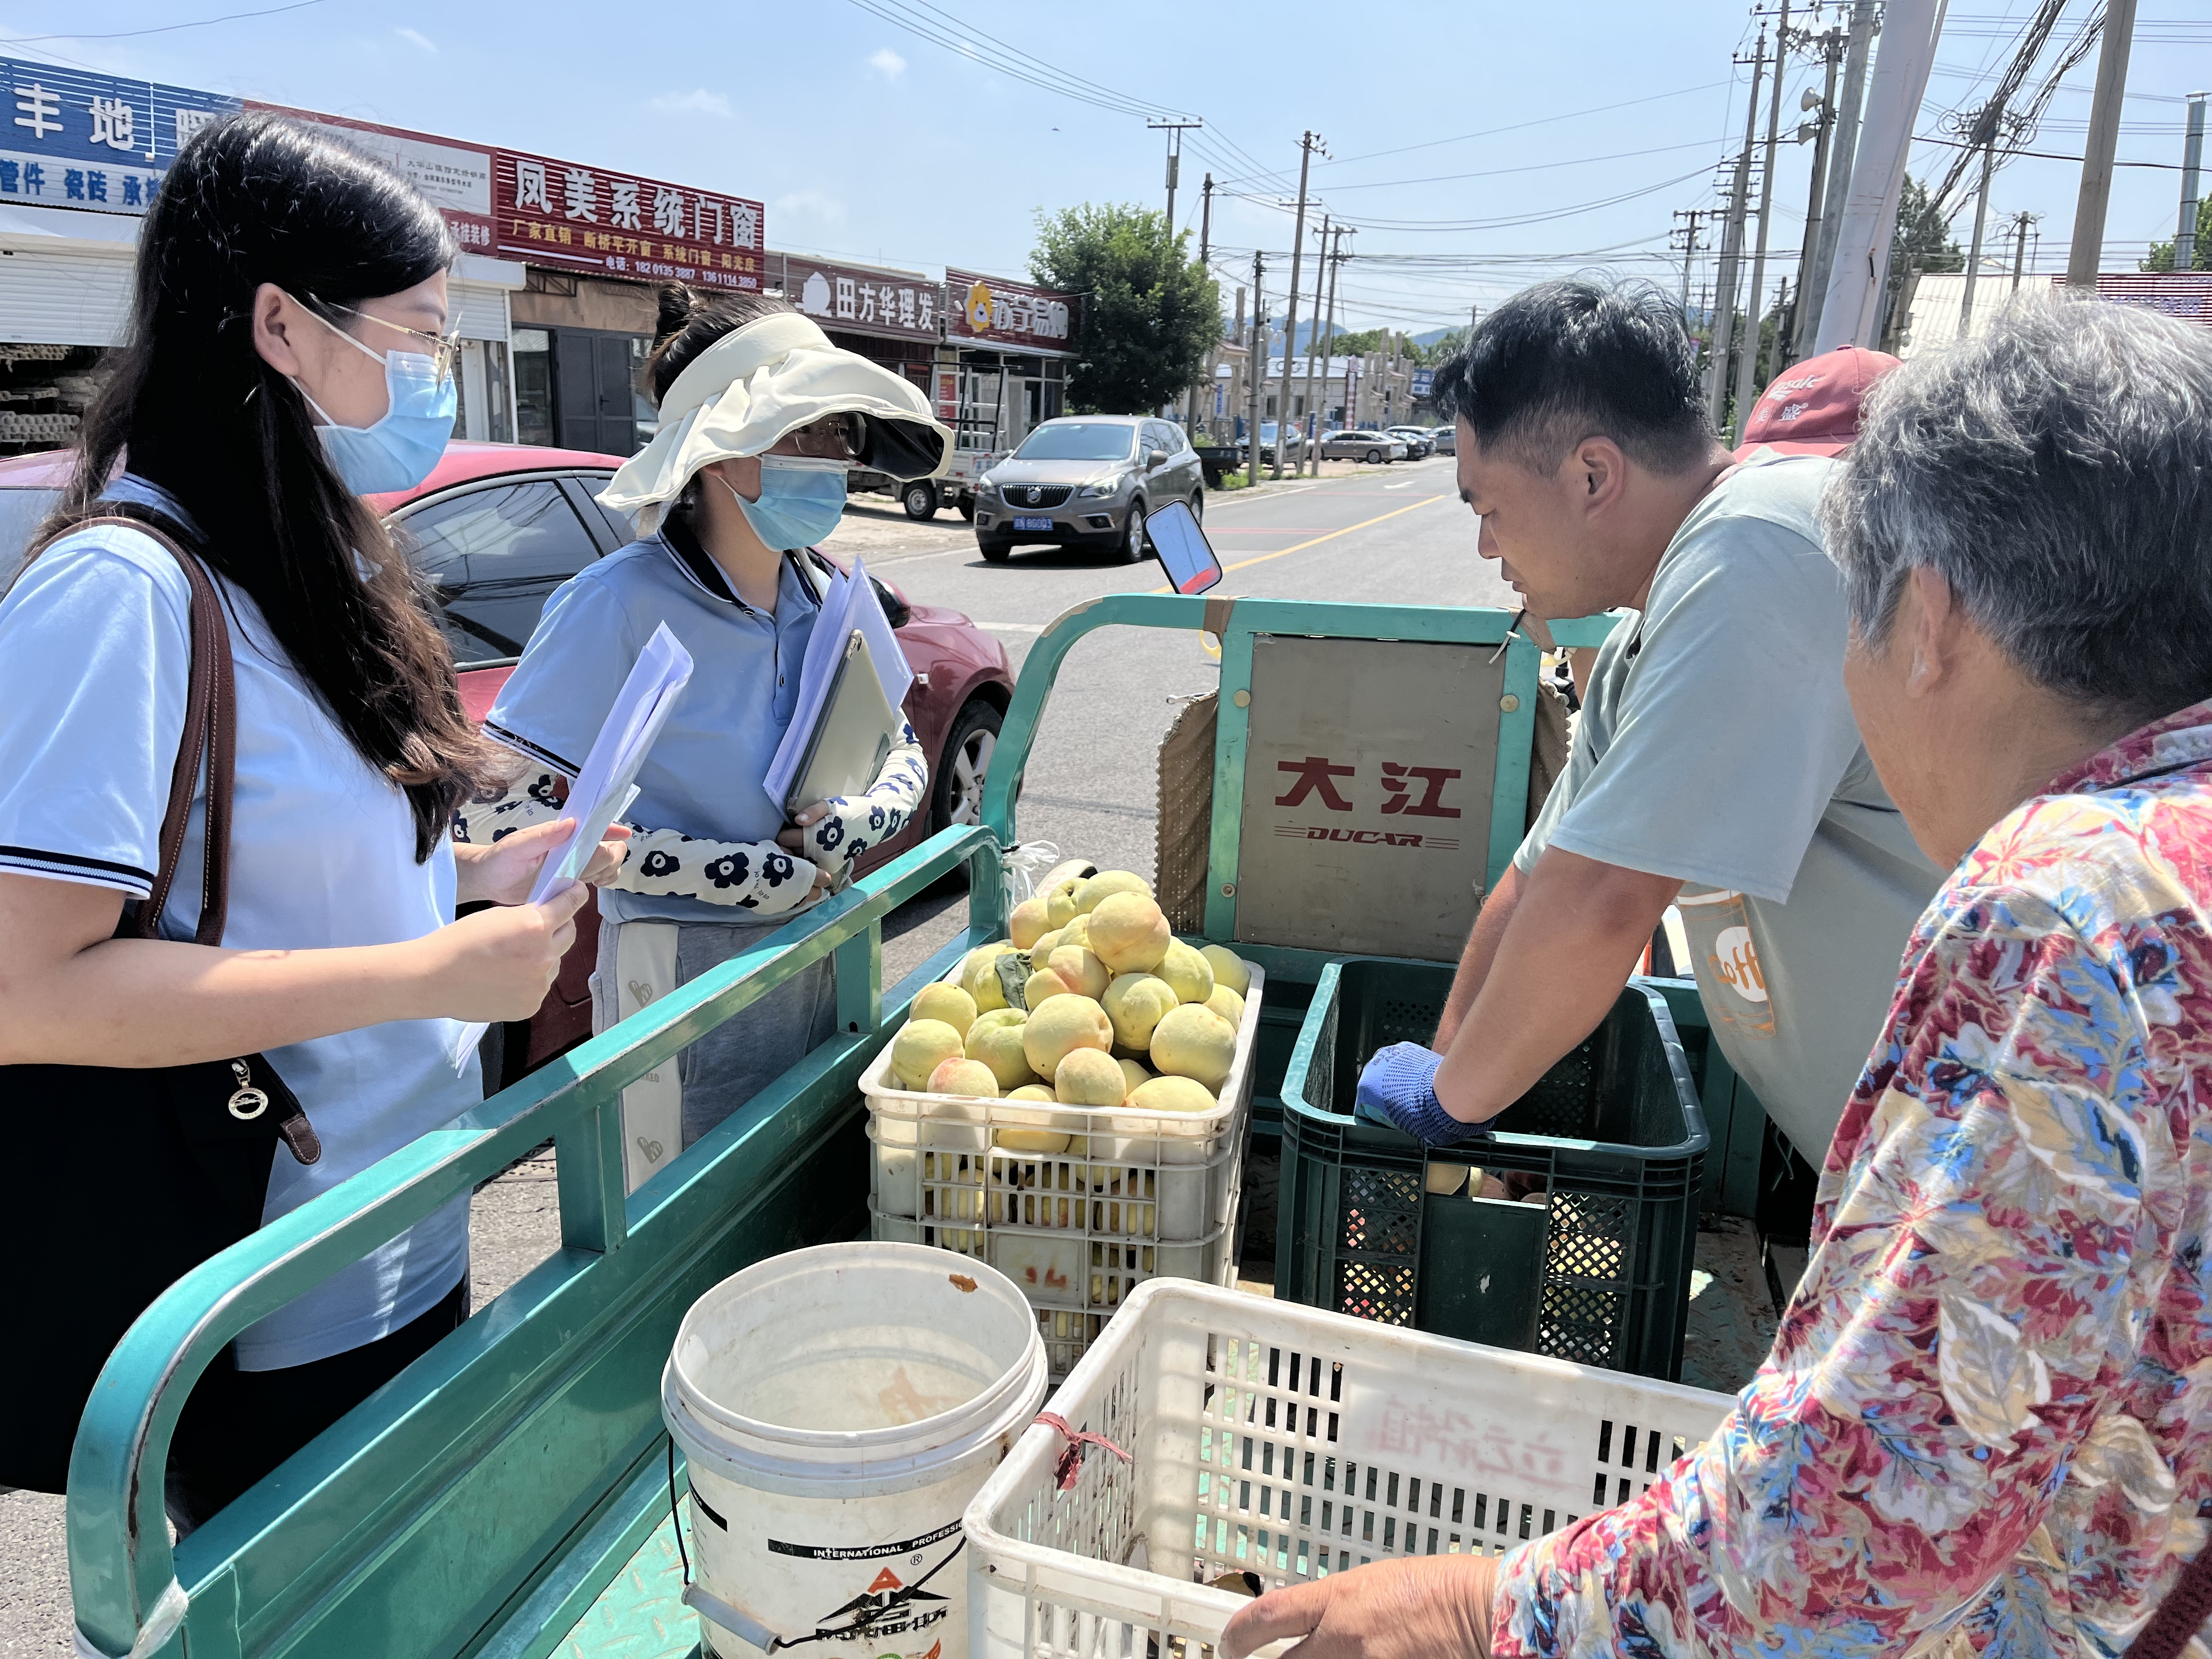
[455, 178]
[580, 218]
[1013, 314]
[95, 142]
[888, 302]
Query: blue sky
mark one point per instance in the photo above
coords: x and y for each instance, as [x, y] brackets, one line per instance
[870, 142]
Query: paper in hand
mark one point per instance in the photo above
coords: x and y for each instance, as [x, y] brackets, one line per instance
[608, 782]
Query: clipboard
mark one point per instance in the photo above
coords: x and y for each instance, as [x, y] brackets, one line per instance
[852, 736]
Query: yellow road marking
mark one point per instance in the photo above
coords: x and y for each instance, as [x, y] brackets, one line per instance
[1300, 547]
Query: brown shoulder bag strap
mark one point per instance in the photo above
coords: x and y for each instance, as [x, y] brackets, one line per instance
[2180, 1616]
[211, 728]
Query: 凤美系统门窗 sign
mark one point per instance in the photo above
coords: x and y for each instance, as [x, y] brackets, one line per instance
[562, 214]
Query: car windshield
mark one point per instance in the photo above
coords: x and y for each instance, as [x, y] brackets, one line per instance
[20, 510]
[1078, 440]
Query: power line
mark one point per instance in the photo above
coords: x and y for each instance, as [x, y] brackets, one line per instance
[1536, 166]
[166, 29]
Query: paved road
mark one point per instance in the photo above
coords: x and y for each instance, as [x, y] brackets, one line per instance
[1394, 534]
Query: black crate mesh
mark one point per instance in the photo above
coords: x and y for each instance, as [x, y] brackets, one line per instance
[1383, 1294]
[1378, 1240]
[1587, 1250]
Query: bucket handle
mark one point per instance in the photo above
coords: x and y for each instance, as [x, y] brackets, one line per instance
[746, 1627]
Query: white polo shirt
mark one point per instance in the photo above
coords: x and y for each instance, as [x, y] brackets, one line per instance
[95, 644]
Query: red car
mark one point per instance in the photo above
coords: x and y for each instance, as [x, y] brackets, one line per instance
[496, 528]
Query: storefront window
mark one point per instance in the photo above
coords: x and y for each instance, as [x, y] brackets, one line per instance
[533, 385]
[480, 381]
[648, 417]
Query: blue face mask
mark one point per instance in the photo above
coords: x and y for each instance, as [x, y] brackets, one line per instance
[801, 499]
[400, 450]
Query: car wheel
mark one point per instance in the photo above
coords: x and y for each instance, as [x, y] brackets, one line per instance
[996, 552]
[1374, 457]
[1197, 509]
[967, 507]
[957, 796]
[1135, 544]
[920, 499]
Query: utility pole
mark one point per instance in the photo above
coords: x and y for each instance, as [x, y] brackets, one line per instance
[2089, 249]
[1255, 370]
[1858, 279]
[1174, 130]
[2192, 158]
[1328, 328]
[1843, 157]
[1748, 381]
[1689, 243]
[1824, 125]
[1321, 270]
[2021, 222]
[1204, 258]
[1732, 248]
[1986, 123]
[1307, 145]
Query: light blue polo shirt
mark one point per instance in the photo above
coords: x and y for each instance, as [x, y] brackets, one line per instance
[95, 644]
[704, 777]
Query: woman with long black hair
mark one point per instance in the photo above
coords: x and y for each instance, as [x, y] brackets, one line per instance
[288, 354]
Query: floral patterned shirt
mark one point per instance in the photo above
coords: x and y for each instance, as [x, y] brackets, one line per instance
[1986, 1423]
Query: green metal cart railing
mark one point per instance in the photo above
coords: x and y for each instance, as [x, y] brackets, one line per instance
[487, 1499]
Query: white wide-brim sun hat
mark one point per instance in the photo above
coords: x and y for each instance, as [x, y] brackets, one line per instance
[755, 384]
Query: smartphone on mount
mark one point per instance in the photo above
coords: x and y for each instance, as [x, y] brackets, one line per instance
[1184, 552]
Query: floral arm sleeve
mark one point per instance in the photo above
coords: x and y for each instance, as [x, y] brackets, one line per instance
[757, 876]
[854, 824]
[1954, 1352]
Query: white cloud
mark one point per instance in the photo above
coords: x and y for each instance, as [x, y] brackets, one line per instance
[887, 63]
[416, 38]
[811, 204]
[697, 102]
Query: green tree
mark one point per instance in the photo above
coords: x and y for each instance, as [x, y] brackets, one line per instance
[1923, 242]
[1150, 312]
[2161, 253]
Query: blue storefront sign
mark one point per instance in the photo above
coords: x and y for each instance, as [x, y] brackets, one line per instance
[98, 143]
[1424, 380]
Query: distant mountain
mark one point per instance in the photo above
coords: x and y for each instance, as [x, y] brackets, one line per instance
[1431, 336]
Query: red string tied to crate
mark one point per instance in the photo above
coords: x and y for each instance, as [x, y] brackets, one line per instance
[1070, 1467]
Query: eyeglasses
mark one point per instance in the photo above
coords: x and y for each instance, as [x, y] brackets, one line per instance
[444, 349]
[832, 438]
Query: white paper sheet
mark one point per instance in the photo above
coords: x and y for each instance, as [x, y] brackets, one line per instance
[608, 782]
[850, 603]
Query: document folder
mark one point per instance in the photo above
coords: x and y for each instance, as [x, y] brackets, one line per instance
[852, 736]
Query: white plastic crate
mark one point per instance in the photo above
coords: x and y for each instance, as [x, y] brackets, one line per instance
[1290, 1443]
[1136, 1195]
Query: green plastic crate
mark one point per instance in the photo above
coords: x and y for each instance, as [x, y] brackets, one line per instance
[1599, 1273]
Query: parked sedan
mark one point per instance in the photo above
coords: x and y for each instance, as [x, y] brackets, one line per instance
[496, 529]
[1418, 445]
[1446, 438]
[1378, 447]
[1086, 481]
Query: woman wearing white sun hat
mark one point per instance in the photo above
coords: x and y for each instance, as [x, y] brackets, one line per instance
[760, 417]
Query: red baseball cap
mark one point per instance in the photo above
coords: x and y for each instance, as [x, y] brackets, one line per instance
[1813, 408]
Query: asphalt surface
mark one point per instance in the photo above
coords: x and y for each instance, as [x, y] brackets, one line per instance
[1394, 534]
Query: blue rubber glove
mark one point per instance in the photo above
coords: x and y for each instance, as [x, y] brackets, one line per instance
[1399, 1087]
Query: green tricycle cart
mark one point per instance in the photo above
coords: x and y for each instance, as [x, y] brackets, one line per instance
[510, 1493]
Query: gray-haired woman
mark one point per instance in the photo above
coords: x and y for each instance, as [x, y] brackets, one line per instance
[1986, 1423]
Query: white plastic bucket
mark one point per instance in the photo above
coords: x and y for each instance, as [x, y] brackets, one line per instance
[838, 1407]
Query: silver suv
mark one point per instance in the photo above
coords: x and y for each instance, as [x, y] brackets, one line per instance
[1086, 481]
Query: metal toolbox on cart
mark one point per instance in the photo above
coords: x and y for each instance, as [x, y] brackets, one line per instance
[1131, 1196]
